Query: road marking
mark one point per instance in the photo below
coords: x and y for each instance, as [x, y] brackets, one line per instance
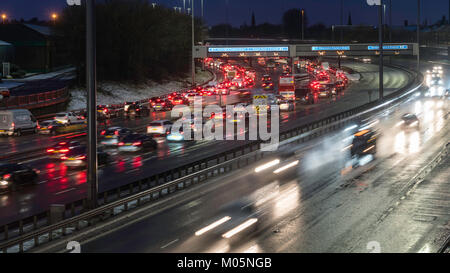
[64, 191]
[35, 159]
[42, 182]
[168, 244]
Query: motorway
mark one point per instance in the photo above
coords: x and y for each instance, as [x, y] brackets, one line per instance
[59, 185]
[323, 205]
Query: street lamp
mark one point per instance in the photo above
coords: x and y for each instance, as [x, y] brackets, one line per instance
[193, 44]
[54, 17]
[4, 17]
[303, 24]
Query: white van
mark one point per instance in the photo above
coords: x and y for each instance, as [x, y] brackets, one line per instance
[16, 122]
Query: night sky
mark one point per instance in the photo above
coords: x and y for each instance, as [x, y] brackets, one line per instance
[324, 11]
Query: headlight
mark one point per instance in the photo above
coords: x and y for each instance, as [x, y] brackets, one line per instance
[4, 183]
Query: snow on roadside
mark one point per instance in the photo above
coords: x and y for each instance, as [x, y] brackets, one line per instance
[115, 93]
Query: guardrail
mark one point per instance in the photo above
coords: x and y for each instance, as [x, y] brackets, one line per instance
[36, 230]
[35, 100]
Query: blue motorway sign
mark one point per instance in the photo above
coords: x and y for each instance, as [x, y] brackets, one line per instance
[388, 47]
[327, 48]
[248, 49]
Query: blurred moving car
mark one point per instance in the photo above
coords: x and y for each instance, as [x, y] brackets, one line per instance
[162, 105]
[137, 142]
[135, 109]
[77, 157]
[61, 148]
[364, 143]
[48, 127]
[409, 121]
[67, 118]
[160, 127]
[13, 176]
[267, 85]
[287, 105]
[111, 136]
[16, 121]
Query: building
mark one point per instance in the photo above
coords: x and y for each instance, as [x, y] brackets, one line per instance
[34, 47]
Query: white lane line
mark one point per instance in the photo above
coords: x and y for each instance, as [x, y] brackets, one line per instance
[42, 182]
[32, 160]
[64, 191]
[133, 170]
[168, 244]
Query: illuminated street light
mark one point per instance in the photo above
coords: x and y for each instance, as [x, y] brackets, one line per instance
[54, 17]
[4, 17]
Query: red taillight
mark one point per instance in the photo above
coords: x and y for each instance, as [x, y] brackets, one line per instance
[103, 133]
[50, 150]
[121, 144]
[63, 157]
[62, 143]
[13, 124]
[137, 143]
[49, 127]
[81, 157]
[163, 103]
[6, 176]
[64, 150]
[116, 133]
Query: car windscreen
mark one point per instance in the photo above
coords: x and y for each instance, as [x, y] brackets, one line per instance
[81, 150]
[131, 138]
[61, 115]
[155, 124]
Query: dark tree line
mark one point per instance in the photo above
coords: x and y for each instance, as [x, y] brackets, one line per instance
[135, 42]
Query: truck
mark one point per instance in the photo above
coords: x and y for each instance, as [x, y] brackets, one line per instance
[286, 87]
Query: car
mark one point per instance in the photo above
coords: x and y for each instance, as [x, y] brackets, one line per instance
[210, 88]
[16, 122]
[135, 109]
[66, 118]
[111, 136]
[77, 157]
[286, 105]
[106, 112]
[137, 142]
[238, 83]
[180, 135]
[267, 85]
[179, 100]
[364, 143]
[266, 78]
[162, 105]
[61, 148]
[409, 121]
[13, 176]
[48, 127]
[160, 127]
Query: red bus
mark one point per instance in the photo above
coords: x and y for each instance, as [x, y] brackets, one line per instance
[286, 87]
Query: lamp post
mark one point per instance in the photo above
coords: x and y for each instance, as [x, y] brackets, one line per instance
[91, 83]
[303, 24]
[193, 44]
[4, 17]
[54, 17]
[379, 3]
[418, 35]
[342, 20]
